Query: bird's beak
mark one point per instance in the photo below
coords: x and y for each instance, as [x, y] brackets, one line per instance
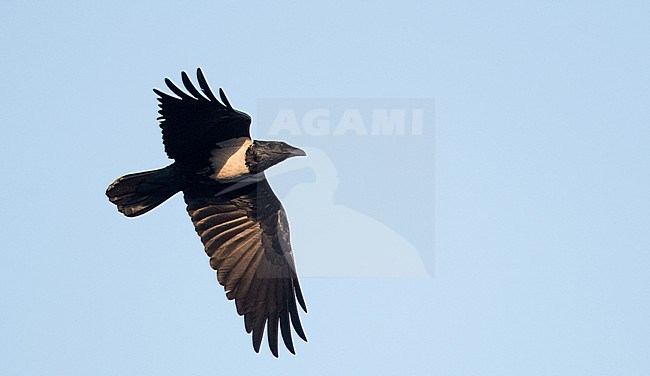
[295, 152]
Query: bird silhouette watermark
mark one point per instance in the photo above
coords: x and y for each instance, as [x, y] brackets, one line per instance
[356, 148]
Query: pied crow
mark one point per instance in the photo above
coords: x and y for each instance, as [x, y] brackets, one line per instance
[241, 222]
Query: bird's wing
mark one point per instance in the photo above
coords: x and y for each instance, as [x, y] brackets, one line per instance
[246, 234]
[193, 122]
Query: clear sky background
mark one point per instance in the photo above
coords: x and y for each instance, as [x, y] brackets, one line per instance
[533, 224]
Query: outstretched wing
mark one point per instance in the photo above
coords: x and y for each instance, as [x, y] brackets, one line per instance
[193, 122]
[246, 234]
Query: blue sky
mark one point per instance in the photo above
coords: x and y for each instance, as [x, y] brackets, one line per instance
[525, 198]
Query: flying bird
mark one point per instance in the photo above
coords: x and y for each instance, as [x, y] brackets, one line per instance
[242, 224]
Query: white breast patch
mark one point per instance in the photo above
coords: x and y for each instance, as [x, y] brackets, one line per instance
[229, 159]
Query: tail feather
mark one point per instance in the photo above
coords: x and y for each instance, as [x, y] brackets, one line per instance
[136, 194]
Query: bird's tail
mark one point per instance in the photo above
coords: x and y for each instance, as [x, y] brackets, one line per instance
[136, 194]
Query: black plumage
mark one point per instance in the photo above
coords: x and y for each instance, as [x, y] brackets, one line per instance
[192, 124]
[240, 221]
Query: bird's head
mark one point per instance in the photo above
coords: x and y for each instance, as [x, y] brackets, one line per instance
[264, 154]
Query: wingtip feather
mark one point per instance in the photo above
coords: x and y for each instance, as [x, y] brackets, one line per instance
[190, 86]
[205, 88]
[224, 99]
